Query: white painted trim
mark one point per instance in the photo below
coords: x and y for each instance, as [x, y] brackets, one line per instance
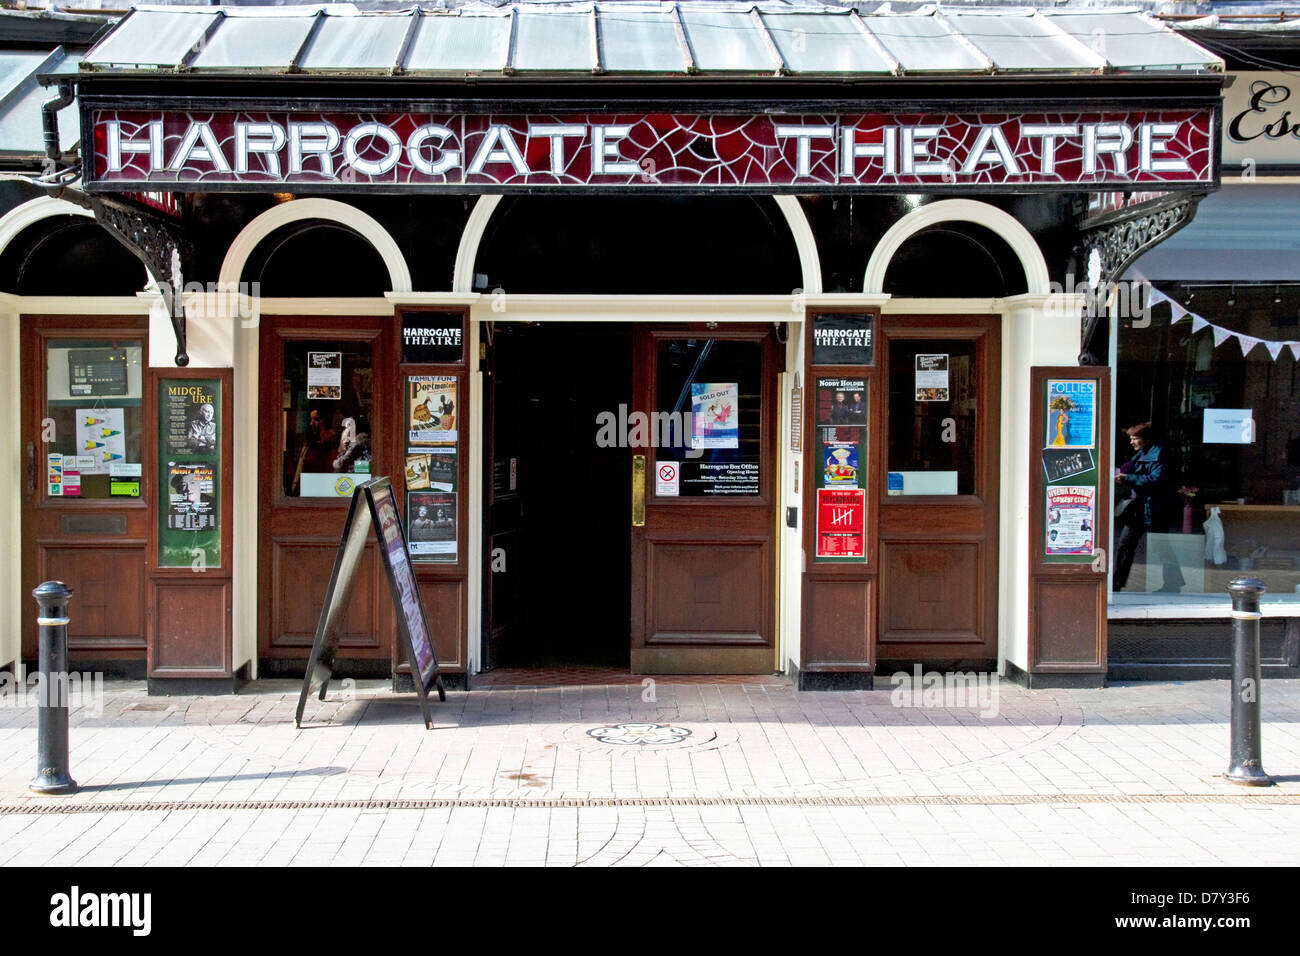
[12, 465]
[33, 211]
[462, 276]
[474, 544]
[232, 268]
[960, 210]
[1208, 609]
[805, 242]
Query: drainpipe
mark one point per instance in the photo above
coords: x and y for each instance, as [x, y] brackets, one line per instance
[50, 119]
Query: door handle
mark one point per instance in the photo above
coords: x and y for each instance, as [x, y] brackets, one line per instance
[1099, 560]
[31, 468]
[638, 491]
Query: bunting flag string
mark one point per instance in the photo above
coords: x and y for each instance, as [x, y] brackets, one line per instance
[1247, 343]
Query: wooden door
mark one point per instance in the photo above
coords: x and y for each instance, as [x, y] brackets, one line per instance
[939, 490]
[317, 374]
[703, 542]
[84, 396]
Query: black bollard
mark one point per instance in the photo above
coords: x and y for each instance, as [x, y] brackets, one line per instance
[52, 710]
[1246, 766]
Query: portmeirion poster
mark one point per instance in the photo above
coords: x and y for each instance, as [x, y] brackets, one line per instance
[1071, 413]
[715, 410]
[1071, 519]
[101, 437]
[431, 405]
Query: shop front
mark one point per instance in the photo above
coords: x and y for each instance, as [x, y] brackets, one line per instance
[684, 356]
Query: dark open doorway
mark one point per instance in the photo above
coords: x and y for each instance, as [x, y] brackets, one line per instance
[559, 506]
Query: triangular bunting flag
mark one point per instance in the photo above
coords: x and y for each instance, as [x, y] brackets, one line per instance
[1177, 312]
[1155, 296]
[1274, 349]
[1198, 323]
[1220, 335]
[1295, 350]
[1247, 342]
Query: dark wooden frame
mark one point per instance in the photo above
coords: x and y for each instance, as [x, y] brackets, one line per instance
[162, 580]
[37, 332]
[840, 597]
[439, 578]
[1076, 593]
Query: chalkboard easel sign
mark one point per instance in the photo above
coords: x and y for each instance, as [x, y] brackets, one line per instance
[412, 628]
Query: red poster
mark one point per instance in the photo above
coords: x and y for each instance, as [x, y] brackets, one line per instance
[841, 522]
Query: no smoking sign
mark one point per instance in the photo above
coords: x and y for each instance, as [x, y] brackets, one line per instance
[667, 479]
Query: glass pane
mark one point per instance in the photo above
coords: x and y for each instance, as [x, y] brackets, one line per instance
[842, 468]
[1128, 41]
[554, 41]
[327, 422]
[708, 404]
[92, 403]
[357, 43]
[726, 41]
[459, 44]
[152, 37]
[1022, 43]
[824, 44]
[932, 409]
[253, 42]
[923, 43]
[1211, 489]
[639, 41]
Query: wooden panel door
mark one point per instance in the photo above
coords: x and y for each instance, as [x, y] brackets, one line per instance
[84, 396]
[939, 489]
[703, 556]
[306, 477]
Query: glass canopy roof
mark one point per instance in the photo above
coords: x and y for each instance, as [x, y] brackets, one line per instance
[633, 38]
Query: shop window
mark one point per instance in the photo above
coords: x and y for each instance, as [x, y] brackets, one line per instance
[327, 426]
[1211, 489]
[932, 409]
[709, 399]
[93, 418]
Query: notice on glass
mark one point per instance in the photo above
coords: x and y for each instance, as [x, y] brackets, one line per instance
[432, 517]
[325, 375]
[841, 522]
[932, 378]
[1071, 519]
[431, 405]
[1228, 426]
[715, 410]
[101, 439]
[1071, 413]
[668, 479]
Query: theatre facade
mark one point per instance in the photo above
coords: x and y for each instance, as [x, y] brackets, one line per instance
[694, 338]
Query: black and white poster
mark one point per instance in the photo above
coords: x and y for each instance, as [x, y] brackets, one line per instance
[432, 525]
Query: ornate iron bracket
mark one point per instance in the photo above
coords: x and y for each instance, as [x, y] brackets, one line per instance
[161, 245]
[1113, 243]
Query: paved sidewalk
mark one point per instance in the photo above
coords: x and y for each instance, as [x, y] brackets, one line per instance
[744, 773]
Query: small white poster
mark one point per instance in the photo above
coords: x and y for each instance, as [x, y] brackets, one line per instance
[325, 375]
[101, 439]
[1228, 426]
[668, 479]
[932, 378]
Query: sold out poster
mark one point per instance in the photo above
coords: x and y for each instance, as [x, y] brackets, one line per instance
[841, 522]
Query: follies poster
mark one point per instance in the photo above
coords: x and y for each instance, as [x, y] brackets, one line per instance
[1071, 519]
[1071, 413]
[431, 409]
[715, 415]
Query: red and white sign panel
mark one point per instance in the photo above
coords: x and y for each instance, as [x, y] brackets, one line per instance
[161, 149]
[841, 523]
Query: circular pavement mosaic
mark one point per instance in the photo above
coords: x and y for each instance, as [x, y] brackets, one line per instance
[639, 734]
